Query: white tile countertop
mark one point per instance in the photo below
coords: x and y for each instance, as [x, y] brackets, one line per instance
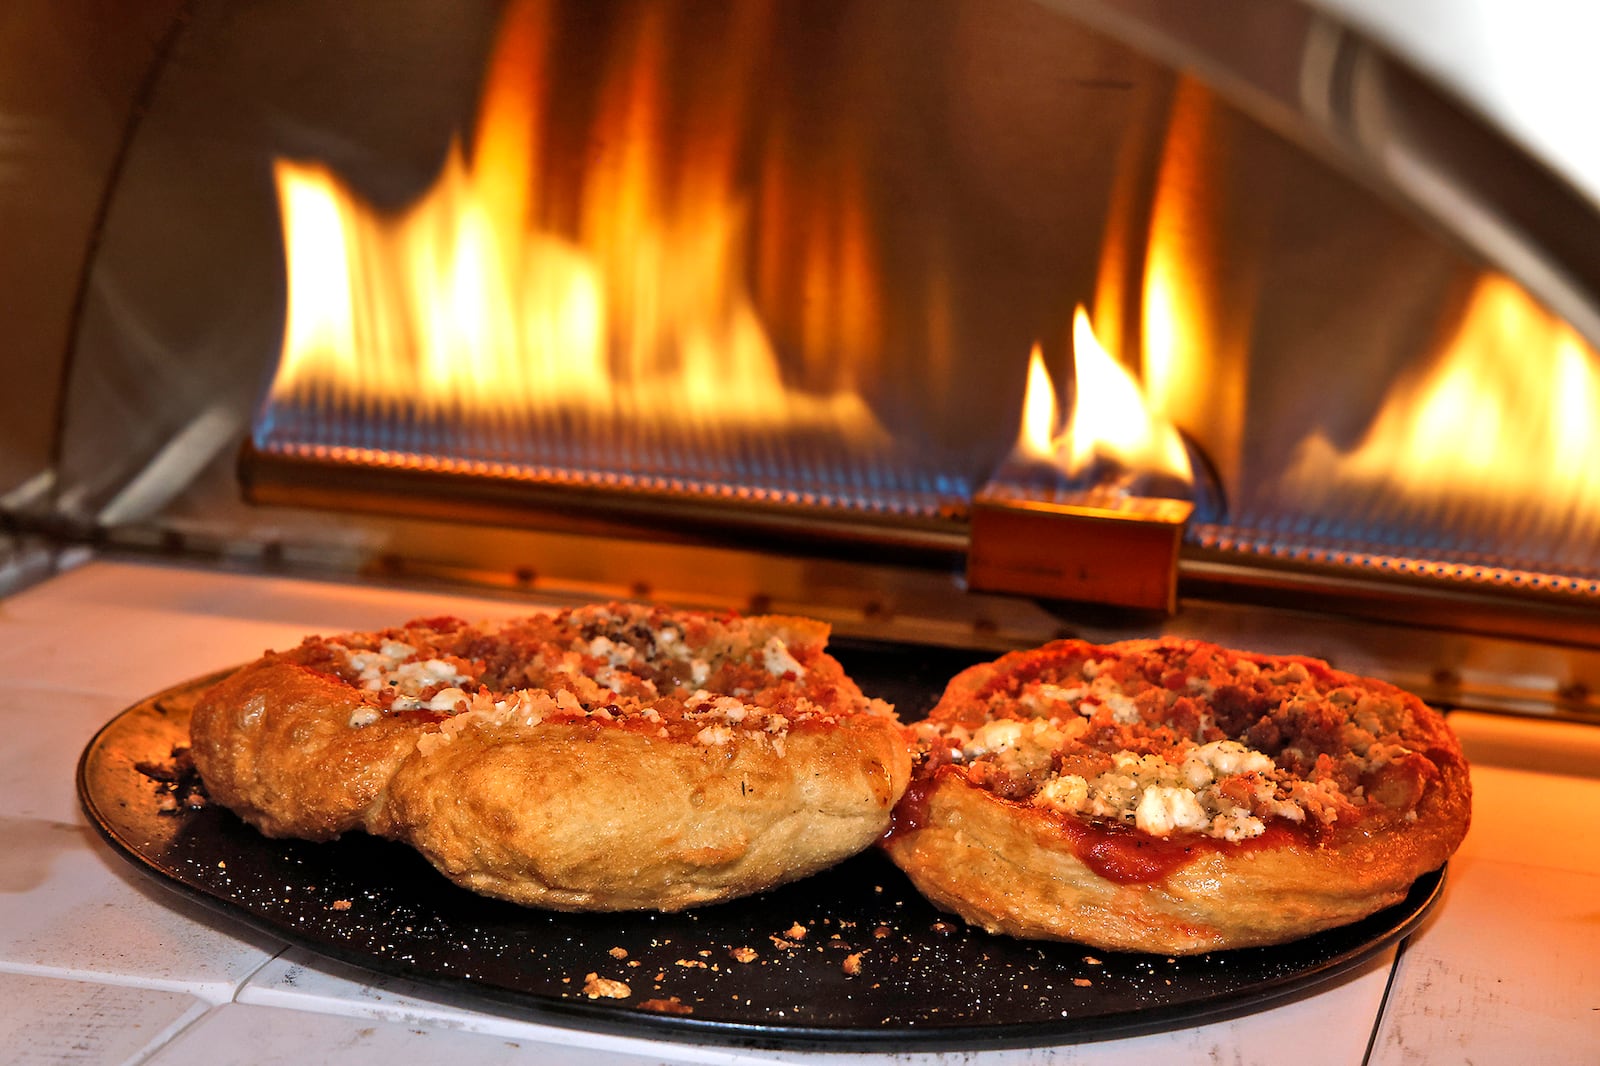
[100, 964]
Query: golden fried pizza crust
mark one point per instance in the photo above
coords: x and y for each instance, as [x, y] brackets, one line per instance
[602, 758]
[1175, 797]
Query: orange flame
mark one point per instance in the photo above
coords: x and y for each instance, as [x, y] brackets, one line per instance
[1037, 436]
[1505, 422]
[472, 304]
[1110, 420]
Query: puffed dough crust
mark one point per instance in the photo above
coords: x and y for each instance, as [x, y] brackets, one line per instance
[563, 793]
[1010, 865]
[273, 743]
[573, 818]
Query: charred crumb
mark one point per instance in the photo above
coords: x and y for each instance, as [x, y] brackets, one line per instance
[178, 784]
[166, 773]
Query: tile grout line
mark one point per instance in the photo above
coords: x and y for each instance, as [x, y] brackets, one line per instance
[177, 1033]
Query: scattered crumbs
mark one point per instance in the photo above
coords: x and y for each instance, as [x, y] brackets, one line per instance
[1092, 961]
[341, 904]
[881, 932]
[877, 888]
[566, 980]
[618, 953]
[671, 1005]
[1082, 982]
[795, 932]
[942, 928]
[843, 924]
[692, 964]
[633, 962]
[852, 964]
[597, 987]
[743, 954]
[662, 976]
[222, 864]
[704, 953]
[778, 941]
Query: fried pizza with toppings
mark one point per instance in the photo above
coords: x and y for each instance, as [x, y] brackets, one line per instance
[602, 758]
[1175, 797]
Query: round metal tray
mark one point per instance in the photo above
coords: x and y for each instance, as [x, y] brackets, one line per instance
[773, 970]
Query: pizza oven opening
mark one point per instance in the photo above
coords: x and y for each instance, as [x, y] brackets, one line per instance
[1004, 302]
[690, 274]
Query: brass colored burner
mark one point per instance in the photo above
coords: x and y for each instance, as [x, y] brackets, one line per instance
[1096, 547]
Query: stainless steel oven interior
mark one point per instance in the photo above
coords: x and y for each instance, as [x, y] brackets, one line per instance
[736, 306]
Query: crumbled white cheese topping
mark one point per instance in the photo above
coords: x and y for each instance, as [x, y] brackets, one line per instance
[1021, 746]
[1160, 797]
[712, 735]
[448, 700]
[614, 653]
[1043, 698]
[725, 714]
[525, 707]
[776, 658]
[1163, 808]
[373, 666]
[395, 666]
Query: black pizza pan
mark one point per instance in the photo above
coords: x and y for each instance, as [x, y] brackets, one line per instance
[853, 959]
